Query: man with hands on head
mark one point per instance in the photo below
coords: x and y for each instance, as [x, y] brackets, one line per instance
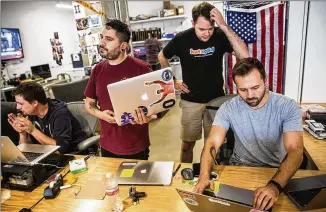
[129, 141]
[47, 121]
[201, 51]
[267, 128]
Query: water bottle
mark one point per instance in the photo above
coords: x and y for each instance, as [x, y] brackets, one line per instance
[112, 191]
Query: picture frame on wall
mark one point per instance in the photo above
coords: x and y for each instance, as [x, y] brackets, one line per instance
[82, 24]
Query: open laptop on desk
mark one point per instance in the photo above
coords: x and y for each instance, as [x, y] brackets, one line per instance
[307, 193]
[152, 92]
[145, 173]
[228, 198]
[24, 154]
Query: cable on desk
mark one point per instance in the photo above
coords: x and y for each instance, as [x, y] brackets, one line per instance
[36, 203]
[46, 164]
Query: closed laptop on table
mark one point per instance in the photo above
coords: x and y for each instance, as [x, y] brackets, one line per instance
[145, 173]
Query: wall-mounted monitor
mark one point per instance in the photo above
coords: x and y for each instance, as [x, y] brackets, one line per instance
[11, 45]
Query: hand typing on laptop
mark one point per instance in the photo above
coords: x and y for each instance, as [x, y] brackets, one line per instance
[265, 197]
[203, 183]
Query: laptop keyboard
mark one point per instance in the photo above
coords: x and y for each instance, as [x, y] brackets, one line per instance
[305, 196]
[32, 155]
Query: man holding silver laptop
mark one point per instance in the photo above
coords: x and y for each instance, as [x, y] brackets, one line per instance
[129, 141]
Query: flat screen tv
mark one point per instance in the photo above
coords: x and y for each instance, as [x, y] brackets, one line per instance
[11, 45]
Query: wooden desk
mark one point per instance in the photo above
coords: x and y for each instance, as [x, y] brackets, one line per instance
[159, 198]
[315, 149]
[31, 80]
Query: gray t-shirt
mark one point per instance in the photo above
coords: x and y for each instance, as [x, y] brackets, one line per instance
[259, 133]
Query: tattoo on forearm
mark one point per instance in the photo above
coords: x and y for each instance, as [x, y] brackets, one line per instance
[92, 106]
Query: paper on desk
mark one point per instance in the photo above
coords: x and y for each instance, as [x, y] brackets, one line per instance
[127, 173]
[93, 190]
[5, 195]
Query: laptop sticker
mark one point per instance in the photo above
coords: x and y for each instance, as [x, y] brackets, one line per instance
[218, 201]
[144, 109]
[190, 201]
[143, 171]
[185, 194]
[166, 88]
[127, 173]
[167, 75]
[126, 118]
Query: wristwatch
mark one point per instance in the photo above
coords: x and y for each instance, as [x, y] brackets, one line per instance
[278, 186]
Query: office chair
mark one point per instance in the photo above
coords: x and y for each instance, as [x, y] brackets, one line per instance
[6, 128]
[226, 150]
[70, 92]
[88, 124]
[64, 76]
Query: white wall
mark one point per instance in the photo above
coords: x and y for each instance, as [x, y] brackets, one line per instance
[293, 53]
[314, 82]
[314, 85]
[37, 21]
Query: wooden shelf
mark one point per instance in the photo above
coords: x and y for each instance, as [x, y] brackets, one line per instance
[159, 19]
[141, 42]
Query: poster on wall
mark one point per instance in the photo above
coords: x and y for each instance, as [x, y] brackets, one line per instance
[82, 24]
[95, 38]
[79, 10]
[89, 40]
[57, 48]
[82, 33]
[92, 52]
[94, 21]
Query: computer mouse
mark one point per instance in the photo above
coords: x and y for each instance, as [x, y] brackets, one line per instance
[187, 174]
[25, 210]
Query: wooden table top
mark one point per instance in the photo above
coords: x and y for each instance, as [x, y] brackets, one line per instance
[159, 198]
[32, 80]
[162, 198]
[315, 149]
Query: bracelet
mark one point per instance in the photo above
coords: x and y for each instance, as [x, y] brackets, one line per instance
[278, 186]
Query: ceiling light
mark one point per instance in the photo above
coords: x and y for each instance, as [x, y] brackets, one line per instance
[64, 6]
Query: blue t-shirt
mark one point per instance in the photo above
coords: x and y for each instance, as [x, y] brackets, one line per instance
[259, 133]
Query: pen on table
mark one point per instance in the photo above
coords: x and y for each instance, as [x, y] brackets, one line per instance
[175, 171]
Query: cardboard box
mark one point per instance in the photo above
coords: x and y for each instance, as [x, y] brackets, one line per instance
[170, 12]
[181, 10]
[166, 5]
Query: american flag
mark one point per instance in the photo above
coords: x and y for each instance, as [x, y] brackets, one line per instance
[263, 32]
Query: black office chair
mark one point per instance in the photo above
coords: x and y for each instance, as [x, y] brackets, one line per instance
[6, 128]
[88, 124]
[70, 92]
[226, 150]
[64, 76]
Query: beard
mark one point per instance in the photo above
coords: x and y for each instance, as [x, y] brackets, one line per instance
[253, 102]
[112, 54]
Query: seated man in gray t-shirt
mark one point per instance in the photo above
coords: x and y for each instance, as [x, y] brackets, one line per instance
[267, 129]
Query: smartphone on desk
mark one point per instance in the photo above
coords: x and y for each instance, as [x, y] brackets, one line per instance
[196, 169]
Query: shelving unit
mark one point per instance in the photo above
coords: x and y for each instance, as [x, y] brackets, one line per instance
[158, 19]
[142, 42]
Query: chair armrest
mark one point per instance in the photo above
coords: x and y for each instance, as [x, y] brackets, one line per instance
[88, 142]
